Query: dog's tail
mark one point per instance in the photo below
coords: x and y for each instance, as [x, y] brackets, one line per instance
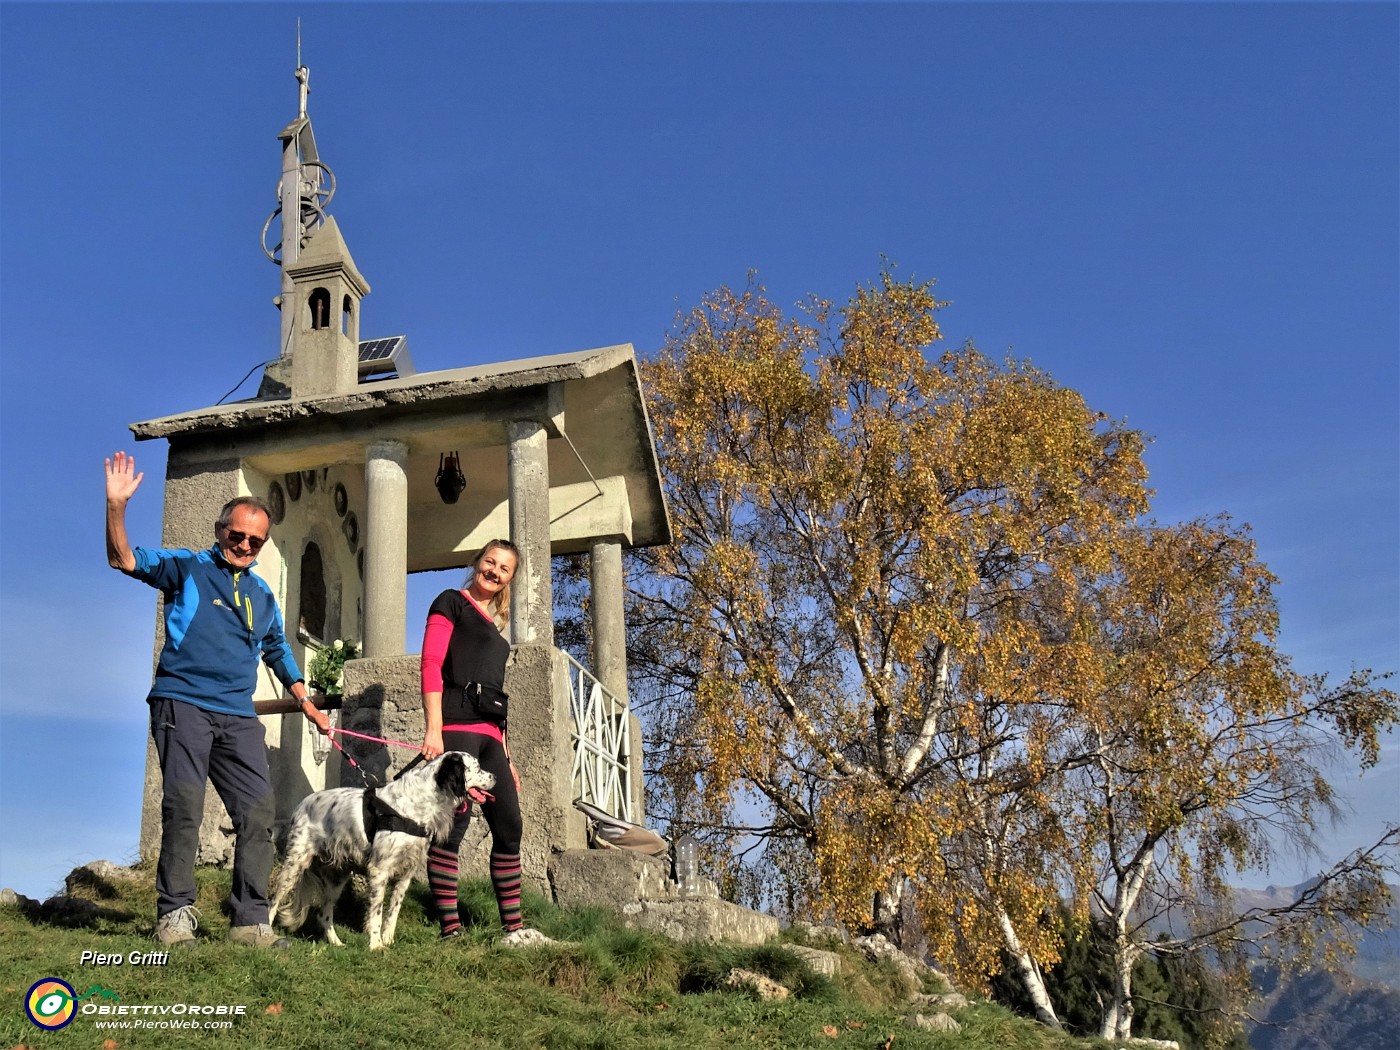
[309, 892]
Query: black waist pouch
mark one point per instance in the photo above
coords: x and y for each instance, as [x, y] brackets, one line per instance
[475, 701]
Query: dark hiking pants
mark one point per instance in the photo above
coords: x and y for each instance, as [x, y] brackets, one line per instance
[195, 746]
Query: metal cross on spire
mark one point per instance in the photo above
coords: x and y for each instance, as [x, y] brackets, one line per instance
[304, 191]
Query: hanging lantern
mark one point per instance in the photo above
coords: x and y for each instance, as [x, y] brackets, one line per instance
[450, 479]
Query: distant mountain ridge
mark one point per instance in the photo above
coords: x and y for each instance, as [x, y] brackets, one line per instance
[1377, 951]
[1325, 1011]
[1355, 1009]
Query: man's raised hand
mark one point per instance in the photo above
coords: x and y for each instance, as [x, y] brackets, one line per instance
[122, 479]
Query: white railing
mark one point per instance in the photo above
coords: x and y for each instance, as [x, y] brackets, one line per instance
[602, 739]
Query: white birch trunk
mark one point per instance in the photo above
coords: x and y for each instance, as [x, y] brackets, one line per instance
[1118, 1018]
[1028, 972]
[886, 911]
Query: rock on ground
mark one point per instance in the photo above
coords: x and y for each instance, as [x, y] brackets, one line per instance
[933, 1023]
[766, 987]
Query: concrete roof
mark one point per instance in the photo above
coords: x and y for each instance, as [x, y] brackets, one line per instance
[475, 382]
[590, 400]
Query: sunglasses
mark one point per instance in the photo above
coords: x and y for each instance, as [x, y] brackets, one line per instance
[237, 539]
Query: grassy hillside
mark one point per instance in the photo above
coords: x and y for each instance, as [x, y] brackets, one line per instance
[613, 988]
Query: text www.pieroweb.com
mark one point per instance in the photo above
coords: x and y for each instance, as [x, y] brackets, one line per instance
[171, 1023]
[187, 1016]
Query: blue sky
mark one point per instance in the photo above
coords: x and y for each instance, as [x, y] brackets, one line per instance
[1187, 212]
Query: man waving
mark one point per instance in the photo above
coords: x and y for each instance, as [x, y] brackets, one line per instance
[220, 619]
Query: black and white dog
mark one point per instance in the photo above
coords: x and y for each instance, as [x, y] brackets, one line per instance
[382, 832]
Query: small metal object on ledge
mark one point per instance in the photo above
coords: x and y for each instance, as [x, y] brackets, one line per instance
[291, 705]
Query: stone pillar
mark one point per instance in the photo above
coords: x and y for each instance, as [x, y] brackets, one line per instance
[532, 596]
[610, 654]
[609, 627]
[386, 548]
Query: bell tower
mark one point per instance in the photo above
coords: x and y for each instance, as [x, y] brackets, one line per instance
[321, 287]
[326, 290]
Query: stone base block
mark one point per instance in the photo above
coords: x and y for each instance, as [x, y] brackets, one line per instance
[612, 878]
[702, 919]
[641, 890]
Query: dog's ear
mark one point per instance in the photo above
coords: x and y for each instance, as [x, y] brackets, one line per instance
[452, 774]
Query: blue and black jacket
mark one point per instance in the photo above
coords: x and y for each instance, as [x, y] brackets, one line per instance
[218, 620]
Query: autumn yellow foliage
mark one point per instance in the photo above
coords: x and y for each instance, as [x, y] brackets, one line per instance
[916, 645]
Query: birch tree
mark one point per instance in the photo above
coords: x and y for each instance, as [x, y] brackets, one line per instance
[858, 515]
[911, 620]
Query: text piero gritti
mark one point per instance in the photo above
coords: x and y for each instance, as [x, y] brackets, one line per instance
[135, 958]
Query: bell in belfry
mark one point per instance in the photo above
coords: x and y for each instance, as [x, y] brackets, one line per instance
[450, 480]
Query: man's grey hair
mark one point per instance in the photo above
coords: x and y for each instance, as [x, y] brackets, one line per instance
[226, 515]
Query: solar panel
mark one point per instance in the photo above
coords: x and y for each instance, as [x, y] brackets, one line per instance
[385, 357]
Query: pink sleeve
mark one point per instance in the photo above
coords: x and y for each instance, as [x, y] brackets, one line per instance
[435, 638]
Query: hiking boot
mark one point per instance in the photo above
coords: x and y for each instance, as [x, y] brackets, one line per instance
[528, 938]
[176, 928]
[260, 936]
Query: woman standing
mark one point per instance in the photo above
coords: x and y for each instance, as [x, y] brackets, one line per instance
[465, 708]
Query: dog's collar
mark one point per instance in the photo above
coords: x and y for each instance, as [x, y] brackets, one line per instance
[380, 816]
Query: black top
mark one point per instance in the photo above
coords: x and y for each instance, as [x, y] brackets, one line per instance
[476, 653]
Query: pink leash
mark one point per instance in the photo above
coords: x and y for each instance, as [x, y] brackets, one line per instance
[381, 740]
[373, 739]
[364, 779]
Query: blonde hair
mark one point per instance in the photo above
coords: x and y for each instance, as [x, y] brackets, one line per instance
[499, 606]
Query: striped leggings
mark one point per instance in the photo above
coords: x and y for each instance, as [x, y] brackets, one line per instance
[502, 817]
